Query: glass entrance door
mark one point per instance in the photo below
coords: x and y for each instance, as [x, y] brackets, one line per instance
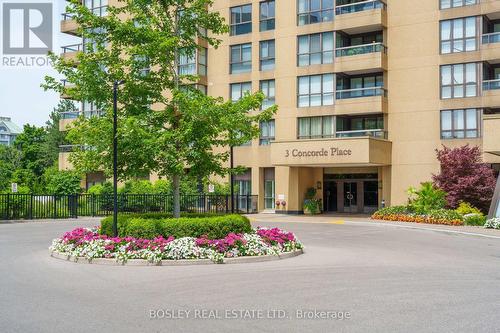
[330, 196]
[350, 197]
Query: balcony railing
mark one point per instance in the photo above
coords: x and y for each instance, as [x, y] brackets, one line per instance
[360, 49]
[491, 84]
[87, 114]
[376, 133]
[491, 38]
[67, 16]
[72, 48]
[359, 7]
[69, 148]
[360, 92]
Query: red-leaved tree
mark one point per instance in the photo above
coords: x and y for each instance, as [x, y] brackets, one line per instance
[464, 177]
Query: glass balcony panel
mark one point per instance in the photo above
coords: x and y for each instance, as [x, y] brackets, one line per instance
[360, 92]
[491, 84]
[360, 49]
[376, 133]
[359, 7]
[491, 38]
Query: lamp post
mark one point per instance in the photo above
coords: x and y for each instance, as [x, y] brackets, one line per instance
[115, 157]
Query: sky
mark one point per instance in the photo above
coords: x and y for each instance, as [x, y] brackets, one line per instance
[21, 96]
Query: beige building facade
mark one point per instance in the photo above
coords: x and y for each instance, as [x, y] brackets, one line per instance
[367, 91]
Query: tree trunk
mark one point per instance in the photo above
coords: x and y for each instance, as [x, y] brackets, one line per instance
[177, 196]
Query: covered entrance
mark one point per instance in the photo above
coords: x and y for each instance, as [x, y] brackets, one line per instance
[350, 193]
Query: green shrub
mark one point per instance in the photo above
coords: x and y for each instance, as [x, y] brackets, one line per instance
[474, 219]
[214, 227]
[465, 208]
[141, 228]
[444, 214]
[124, 219]
[394, 210]
[426, 198]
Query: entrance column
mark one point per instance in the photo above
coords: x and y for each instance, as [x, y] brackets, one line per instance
[258, 186]
[287, 182]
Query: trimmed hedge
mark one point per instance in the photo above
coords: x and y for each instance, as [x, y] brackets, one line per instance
[123, 219]
[214, 227]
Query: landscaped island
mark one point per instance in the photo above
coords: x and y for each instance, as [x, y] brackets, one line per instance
[157, 237]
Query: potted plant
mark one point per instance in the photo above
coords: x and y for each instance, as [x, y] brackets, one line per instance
[311, 205]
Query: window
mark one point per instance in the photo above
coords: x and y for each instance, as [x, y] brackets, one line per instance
[314, 11]
[460, 124]
[266, 18]
[316, 127]
[241, 20]
[238, 90]
[193, 64]
[445, 4]
[266, 132]
[97, 7]
[315, 49]
[315, 90]
[241, 58]
[267, 87]
[459, 35]
[459, 80]
[267, 55]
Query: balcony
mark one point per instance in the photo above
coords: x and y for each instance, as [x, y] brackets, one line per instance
[491, 93]
[491, 135]
[360, 58]
[67, 86]
[361, 100]
[70, 52]
[347, 151]
[490, 47]
[69, 116]
[361, 16]
[68, 24]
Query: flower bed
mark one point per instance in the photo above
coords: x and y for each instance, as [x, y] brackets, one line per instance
[405, 214]
[90, 244]
[493, 223]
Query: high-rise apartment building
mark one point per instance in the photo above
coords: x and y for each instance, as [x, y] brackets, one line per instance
[367, 91]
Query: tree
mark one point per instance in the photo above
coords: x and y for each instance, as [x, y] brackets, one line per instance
[31, 143]
[188, 129]
[62, 182]
[10, 161]
[464, 177]
[54, 136]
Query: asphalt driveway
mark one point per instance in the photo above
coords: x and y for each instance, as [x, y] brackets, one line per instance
[352, 278]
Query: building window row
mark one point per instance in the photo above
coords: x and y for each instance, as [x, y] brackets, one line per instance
[460, 124]
[312, 49]
[459, 35]
[318, 90]
[445, 4]
[308, 12]
[340, 126]
[459, 80]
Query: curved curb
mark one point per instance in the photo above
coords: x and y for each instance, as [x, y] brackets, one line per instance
[181, 262]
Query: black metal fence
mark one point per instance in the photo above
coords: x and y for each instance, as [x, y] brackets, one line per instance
[33, 206]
